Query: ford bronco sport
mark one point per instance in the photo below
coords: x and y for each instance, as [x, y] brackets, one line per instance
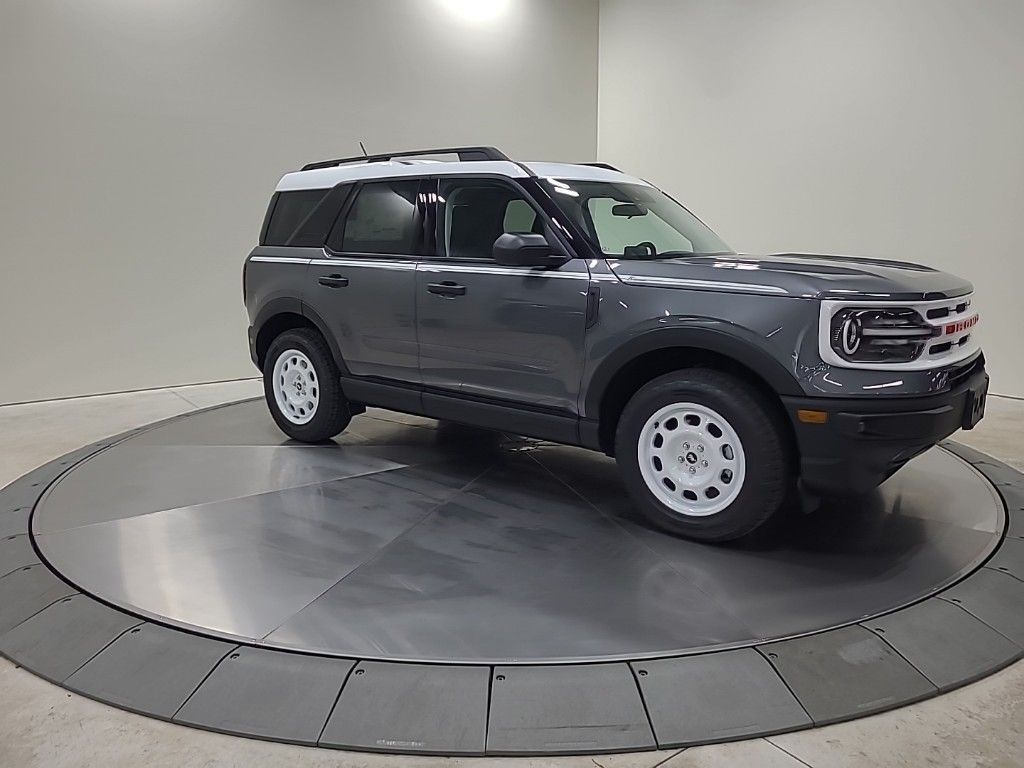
[577, 304]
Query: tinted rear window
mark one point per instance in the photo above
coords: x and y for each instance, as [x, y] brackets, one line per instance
[291, 209]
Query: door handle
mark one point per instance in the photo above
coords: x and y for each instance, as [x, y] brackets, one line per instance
[447, 288]
[333, 281]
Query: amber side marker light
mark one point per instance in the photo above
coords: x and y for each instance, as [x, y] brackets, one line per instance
[812, 417]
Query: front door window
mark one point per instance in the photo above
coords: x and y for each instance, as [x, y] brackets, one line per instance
[476, 212]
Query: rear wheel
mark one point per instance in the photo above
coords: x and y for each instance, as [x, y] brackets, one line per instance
[703, 454]
[303, 389]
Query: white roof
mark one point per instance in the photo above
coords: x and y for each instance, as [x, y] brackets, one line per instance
[322, 178]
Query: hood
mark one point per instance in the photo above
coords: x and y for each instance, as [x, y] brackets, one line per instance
[801, 275]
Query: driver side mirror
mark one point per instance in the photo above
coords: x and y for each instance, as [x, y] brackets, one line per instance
[526, 250]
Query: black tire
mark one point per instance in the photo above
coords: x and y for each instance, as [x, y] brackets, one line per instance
[332, 412]
[768, 463]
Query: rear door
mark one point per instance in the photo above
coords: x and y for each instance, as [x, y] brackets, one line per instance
[363, 288]
[512, 334]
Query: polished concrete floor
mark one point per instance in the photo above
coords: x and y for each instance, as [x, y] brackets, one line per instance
[980, 725]
[411, 540]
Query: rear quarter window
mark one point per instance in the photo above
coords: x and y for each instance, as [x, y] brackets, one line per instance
[290, 211]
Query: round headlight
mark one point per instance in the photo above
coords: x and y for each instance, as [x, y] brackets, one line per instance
[879, 335]
[850, 334]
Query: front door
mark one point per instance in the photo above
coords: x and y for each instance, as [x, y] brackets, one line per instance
[506, 333]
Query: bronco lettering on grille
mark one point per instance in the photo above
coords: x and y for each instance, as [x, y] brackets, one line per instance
[962, 325]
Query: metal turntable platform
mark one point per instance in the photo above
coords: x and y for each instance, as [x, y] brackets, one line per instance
[418, 587]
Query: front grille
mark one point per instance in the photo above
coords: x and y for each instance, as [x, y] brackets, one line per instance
[937, 313]
[954, 330]
[915, 335]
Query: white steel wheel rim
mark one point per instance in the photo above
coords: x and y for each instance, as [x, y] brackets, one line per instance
[691, 459]
[296, 387]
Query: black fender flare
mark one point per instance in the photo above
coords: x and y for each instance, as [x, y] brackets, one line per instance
[282, 305]
[290, 305]
[717, 337]
[273, 307]
[321, 325]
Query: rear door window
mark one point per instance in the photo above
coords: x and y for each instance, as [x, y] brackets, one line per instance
[385, 217]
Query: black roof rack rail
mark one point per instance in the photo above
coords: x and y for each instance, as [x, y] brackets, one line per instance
[465, 154]
[606, 166]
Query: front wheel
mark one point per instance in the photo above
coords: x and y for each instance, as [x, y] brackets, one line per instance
[302, 386]
[703, 454]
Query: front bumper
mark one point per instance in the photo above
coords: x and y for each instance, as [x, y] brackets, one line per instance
[863, 441]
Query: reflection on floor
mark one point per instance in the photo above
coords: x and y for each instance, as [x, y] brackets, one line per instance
[40, 724]
[415, 540]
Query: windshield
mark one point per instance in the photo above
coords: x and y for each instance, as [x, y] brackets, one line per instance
[634, 221]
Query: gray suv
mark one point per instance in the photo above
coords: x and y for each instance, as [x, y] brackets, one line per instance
[578, 304]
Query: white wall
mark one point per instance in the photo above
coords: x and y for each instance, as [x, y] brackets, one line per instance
[890, 128]
[140, 141]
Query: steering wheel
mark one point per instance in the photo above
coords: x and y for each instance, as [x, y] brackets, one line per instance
[646, 248]
[641, 250]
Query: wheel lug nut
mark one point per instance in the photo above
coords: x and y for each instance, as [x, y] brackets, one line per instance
[681, 459]
[703, 463]
[700, 448]
[686, 446]
[693, 470]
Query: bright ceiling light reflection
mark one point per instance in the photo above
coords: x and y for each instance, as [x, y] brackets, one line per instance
[476, 11]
